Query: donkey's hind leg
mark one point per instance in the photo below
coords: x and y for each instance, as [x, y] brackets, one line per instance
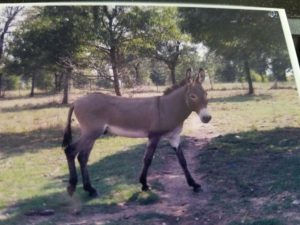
[71, 152]
[152, 144]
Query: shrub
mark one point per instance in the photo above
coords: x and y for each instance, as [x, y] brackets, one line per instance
[12, 82]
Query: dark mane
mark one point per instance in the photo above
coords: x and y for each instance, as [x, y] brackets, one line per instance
[169, 90]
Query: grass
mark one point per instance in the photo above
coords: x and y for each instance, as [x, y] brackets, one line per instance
[33, 167]
[260, 222]
[251, 168]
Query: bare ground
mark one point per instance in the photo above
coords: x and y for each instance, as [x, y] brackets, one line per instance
[178, 203]
[220, 202]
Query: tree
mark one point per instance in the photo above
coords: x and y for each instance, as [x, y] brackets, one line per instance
[243, 37]
[280, 64]
[50, 40]
[169, 52]
[7, 17]
[68, 31]
[25, 48]
[124, 35]
[115, 27]
[165, 41]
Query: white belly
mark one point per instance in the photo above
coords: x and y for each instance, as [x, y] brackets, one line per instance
[126, 132]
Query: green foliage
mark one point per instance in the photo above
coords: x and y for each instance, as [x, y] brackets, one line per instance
[280, 64]
[45, 81]
[244, 40]
[80, 81]
[157, 78]
[12, 82]
[226, 74]
[47, 38]
[256, 77]
[104, 83]
[189, 58]
[162, 38]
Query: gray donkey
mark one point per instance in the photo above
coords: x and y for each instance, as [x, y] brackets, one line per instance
[156, 118]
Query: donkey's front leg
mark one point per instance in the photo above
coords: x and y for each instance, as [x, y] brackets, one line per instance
[83, 157]
[152, 144]
[190, 180]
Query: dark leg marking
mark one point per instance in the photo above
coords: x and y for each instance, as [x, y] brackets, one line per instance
[190, 180]
[70, 152]
[86, 145]
[152, 144]
[83, 159]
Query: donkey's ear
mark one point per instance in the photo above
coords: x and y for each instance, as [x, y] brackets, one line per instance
[200, 76]
[188, 75]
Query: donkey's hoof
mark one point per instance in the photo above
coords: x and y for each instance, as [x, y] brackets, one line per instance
[92, 191]
[71, 189]
[93, 194]
[197, 188]
[145, 188]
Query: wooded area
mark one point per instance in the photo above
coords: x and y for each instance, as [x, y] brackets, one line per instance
[52, 47]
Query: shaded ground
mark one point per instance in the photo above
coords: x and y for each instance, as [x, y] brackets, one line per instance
[176, 201]
[250, 175]
[248, 178]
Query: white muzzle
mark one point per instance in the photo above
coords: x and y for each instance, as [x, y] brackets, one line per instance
[204, 115]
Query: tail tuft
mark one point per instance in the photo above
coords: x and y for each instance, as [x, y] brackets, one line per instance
[67, 137]
[67, 140]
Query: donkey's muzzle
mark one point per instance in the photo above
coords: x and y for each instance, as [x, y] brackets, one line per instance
[206, 119]
[204, 115]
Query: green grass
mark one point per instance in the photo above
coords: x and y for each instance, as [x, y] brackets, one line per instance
[145, 198]
[260, 222]
[264, 111]
[34, 171]
[239, 160]
[252, 169]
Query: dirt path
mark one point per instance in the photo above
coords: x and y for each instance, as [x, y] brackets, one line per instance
[177, 202]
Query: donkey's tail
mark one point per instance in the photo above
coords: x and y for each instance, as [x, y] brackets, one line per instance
[68, 130]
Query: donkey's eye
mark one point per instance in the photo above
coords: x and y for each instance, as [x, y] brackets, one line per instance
[193, 97]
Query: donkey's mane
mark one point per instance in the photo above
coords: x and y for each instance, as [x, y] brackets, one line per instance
[174, 87]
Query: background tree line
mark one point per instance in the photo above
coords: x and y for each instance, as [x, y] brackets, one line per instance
[114, 46]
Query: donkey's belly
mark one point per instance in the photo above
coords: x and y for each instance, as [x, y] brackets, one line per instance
[125, 132]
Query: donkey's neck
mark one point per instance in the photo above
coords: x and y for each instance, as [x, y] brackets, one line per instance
[173, 109]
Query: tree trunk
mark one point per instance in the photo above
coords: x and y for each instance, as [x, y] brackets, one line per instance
[1, 84]
[116, 80]
[66, 79]
[113, 59]
[248, 77]
[32, 85]
[173, 79]
[56, 81]
[60, 81]
[138, 78]
[210, 81]
[262, 77]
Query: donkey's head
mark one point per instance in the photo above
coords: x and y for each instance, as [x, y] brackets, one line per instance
[196, 96]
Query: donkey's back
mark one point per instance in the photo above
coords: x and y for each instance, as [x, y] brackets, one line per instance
[130, 117]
